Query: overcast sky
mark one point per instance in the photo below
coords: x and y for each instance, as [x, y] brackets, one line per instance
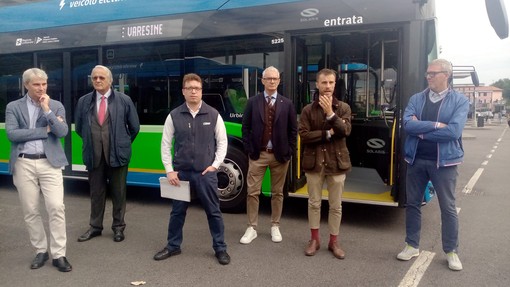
[466, 37]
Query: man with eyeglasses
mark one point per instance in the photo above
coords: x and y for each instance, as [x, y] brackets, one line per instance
[35, 125]
[200, 144]
[107, 122]
[269, 137]
[434, 120]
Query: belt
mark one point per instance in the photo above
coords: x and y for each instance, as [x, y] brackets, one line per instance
[32, 156]
[269, 150]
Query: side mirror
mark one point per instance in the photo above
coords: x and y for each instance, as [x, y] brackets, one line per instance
[462, 72]
[497, 16]
[474, 78]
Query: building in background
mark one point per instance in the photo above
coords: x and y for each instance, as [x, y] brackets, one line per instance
[489, 99]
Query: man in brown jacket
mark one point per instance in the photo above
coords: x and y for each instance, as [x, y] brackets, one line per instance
[324, 125]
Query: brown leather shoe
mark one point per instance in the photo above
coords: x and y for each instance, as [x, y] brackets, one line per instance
[313, 246]
[336, 250]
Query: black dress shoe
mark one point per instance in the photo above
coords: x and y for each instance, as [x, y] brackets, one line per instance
[165, 253]
[39, 260]
[91, 233]
[62, 264]
[118, 235]
[223, 257]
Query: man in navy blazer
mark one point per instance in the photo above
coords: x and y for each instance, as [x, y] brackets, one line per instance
[269, 137]
[34, 125]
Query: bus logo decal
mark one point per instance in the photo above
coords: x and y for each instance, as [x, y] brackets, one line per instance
[376, 143]
[310, 12]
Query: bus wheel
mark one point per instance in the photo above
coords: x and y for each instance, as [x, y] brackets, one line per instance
[232, 181]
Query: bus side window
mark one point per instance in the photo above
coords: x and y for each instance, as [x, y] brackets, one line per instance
[215, 101]
[237, 99]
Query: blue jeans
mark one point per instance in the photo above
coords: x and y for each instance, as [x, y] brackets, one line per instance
[205, 188]
[444, 180]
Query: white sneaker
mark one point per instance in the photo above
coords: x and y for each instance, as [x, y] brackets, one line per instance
[249, 235]
[453, 261]
[408, 253]
[276, 236]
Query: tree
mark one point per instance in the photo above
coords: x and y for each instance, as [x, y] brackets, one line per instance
[504, 84]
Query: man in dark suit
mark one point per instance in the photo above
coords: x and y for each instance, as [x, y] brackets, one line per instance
[269, 138]
[108, 123]
[34, 125]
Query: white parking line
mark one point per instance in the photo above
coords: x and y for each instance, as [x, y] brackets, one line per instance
[469, 186]
[415, 273]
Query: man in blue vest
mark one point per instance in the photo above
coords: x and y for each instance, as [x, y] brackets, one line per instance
[200, 145]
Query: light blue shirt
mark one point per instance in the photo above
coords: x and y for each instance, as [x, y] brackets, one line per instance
[436, 97]
[35, 146]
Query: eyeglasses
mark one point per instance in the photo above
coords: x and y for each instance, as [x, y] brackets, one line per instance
[98, 77]
[192, 89]
[433, 74]
[271, 79]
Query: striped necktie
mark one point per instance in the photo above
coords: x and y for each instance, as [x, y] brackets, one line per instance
[269, 100]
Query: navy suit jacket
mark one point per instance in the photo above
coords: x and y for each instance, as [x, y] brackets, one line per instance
[17, 127]
[284, 135]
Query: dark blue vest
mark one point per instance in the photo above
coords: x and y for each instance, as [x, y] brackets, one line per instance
[194, 138]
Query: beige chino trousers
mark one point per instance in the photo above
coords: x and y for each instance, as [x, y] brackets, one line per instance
[335, 187]
[256, 171]
[33, 177]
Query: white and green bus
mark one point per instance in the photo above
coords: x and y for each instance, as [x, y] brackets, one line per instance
[380, 50]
